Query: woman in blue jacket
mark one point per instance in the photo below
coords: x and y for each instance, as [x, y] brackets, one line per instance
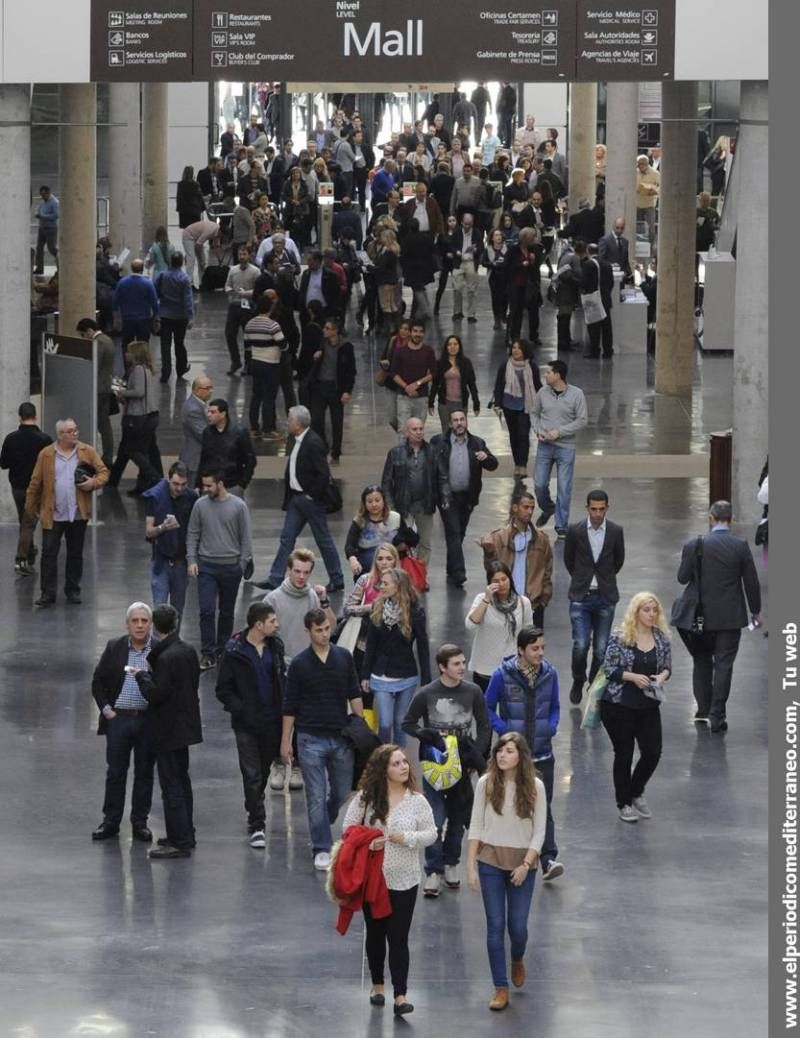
[637, 664]
[523, 697]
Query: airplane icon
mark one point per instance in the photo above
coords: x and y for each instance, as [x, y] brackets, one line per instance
[649, 57]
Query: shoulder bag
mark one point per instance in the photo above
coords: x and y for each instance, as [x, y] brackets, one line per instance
[593, 309]
[687, 609]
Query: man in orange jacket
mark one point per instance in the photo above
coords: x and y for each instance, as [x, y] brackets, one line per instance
[59, 496]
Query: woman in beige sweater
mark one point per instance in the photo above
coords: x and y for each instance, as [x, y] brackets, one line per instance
[505, 837]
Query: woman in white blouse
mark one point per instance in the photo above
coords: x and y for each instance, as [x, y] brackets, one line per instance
[505, 838]
[497, 615]
[388, 800]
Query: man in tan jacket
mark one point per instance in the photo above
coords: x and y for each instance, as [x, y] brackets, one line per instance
[526, 551]
[59, 496]
[648, 186]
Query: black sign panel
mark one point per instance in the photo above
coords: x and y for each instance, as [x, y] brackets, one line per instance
[626, 41]
[139, 41]
[381, 41]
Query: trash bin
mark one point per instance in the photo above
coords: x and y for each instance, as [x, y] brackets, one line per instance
[720, 467]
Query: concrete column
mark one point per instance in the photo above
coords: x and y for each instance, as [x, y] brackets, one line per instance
[15, 267]
[582, 140]
[155, 187]
[622, 138]
[125, 168]
[676, 238]
[78, 221]
[750, 370]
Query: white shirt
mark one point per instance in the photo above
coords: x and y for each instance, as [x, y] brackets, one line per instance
[597, 538]
[421, 216]
[413, 818]
[293, 483]
[493, 637]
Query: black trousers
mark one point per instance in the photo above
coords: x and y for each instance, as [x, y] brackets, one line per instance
[392, 931]
[139, 445]
[522, 299]
[713, 655]
[498, 287]
[74, 534]
[266, 383]
[173, 329]
[360, 187]
[628, 728]
[594, 331]
[176, 794]
[236, 318]
[256, 752]
[455, 519]
[444, 275]
[126, 735]
[325, 397]
[519, 434]
[607, 329]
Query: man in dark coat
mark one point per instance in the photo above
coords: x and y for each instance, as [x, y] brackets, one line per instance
[250, 684]
[171, 690]
[460, 461]
[726, 566]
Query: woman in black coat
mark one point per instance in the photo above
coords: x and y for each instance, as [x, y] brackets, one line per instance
[515, 388]
[496, 260]
[453, 383]
[446, 252]
[189, 199]
[416, 260]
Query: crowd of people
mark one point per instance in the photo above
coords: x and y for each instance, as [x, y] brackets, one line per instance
[324, 692]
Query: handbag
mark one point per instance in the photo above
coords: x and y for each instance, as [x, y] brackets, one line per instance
[687, 609]
[593, 309]
[591, 715]
[347, 636]
[332, 497]
[417, 571]
[442, 769]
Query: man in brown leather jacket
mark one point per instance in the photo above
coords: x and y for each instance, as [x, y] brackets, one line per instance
[526, 551]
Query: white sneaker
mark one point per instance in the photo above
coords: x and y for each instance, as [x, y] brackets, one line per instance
[295, 779]
[322, 861]
[277, 779]
[451, 877]
[430, 888]
[641, 807]
[627, 814]
[257, 839]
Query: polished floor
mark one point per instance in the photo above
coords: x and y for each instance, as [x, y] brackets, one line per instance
[655, 929]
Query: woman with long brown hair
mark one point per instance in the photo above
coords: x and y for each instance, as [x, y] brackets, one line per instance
[505, 839]
[397, 624]
[388, 800]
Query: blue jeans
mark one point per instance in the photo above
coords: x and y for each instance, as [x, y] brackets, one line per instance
[327, 765]
[168, 584]
[591, 620]
[392, 700]
[217, 582]
[502, 902]
[124, 735]
[448, 806]
[546, 768]
[547, 455]
[303, 510]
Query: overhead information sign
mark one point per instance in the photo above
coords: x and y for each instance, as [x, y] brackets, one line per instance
[136, 40]
[627, 41]
[379, 41]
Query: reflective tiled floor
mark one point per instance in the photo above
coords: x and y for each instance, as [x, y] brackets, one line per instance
[655, 929]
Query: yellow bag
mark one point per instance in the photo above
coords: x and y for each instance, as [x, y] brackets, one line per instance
[442, 770]
[371, 717]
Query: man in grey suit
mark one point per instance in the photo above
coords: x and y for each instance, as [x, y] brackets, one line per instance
[194, 421]
[726, 565]
[615, 248]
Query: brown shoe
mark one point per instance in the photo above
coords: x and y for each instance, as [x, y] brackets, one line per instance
[517, 973]
[500, 1000]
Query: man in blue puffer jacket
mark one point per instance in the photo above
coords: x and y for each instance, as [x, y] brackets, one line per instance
[522, 696]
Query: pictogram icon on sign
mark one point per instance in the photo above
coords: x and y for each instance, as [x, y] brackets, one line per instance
[115, 19]
[116, 58]
[219, 39]
[549, 57]
[650, 37]
[219, 19]
[649, 57]
[116, 38]
[219, 59]
[549, 17]
[550, 38]
[649, 17]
